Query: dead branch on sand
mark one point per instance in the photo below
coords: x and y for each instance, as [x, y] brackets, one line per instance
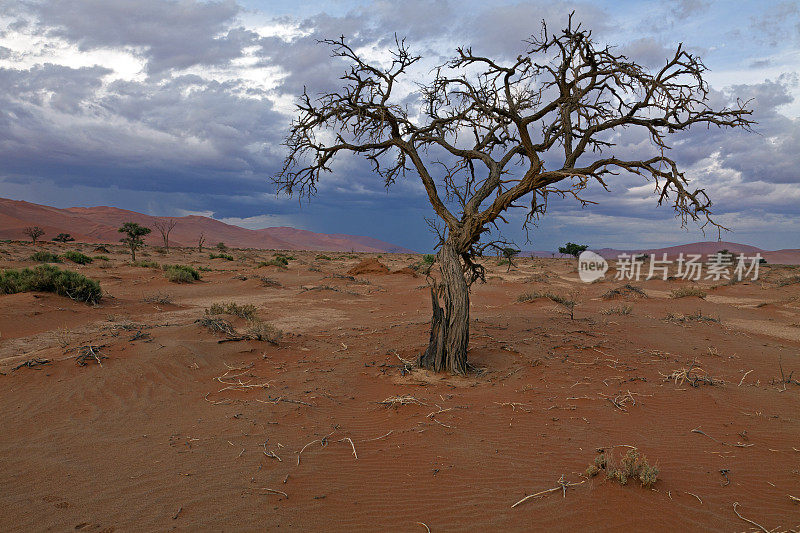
[31, 363]
[351, 444]
[89, 353]
[397, 401]
[562, 486]
[685, 374]
[759, 526]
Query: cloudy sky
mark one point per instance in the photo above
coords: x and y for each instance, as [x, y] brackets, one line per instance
[172, 107]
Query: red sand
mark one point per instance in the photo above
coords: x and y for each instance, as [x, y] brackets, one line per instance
[156, 439]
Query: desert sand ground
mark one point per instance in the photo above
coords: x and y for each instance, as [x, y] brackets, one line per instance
[177, 430]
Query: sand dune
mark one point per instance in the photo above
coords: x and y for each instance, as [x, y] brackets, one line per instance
[99, 224]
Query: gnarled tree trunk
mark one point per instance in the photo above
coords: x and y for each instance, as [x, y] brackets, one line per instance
[447, 350]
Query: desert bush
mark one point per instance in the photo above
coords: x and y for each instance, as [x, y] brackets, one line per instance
[632, 466]
[180, 273]
[557, 298]
[247, 311]
[618, 310]
[698, 317]
[45, 257]
[322, 257]
[685, 292]
[269, 282]
[48, 278]
[159, 297]
[221, 247]
[77, 257]
[101, 258]
[624, 291]
[783, 282]
[217, 325]
[535, 295]
[263, 331]
[146, 264]
[227, 257]
[273, 262]
[429, 259]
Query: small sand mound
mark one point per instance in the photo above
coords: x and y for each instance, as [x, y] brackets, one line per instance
[406, 271]
[369, 266]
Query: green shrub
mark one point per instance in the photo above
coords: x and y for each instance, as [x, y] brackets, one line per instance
[101, 257]
[180, 273]
[273, 262]
[429, 259]
[48, 278]
[77, 257]
[45, 257]
[228, 257]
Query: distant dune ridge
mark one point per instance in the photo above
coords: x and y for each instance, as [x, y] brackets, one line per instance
[783, 257]
[99, 224]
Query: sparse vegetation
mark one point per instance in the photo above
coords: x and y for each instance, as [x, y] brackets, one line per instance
[101, 258]
[557, 298]
[263, 331]
[633, 466]
[160, 297]
[45, 257]
[48, 278]
[280, 263]
[77, 257]
[33, 233]
[134, 234]
[322, 257]
[625, 291]
[227, 257]
[698, 317]
[247, 311]
[63, 237]
[269, 282]
[573, 249]
[221, 247]
[618, 310]
[180, 273]
[685, 292]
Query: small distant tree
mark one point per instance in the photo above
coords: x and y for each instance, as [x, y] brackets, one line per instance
[134, 233]
[201, 240]
[573, 249]
[221, 247]
[33, 233]
[509, 253]
[165, 227]
[63, 237]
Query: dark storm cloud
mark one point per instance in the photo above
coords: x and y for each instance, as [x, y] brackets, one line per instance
[173, 34]
[210, 142]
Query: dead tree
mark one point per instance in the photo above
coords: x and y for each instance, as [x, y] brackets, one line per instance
[485, 136]
[33, 233]
[165, 227]
[201, 240]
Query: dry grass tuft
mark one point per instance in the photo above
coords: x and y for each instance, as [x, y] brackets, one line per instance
[625, 291]
[685, 292]
[618, 310]
[246, 311]
[632, 466]
[263, 331]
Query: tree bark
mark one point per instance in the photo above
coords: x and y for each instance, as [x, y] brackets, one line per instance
[447, 349]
